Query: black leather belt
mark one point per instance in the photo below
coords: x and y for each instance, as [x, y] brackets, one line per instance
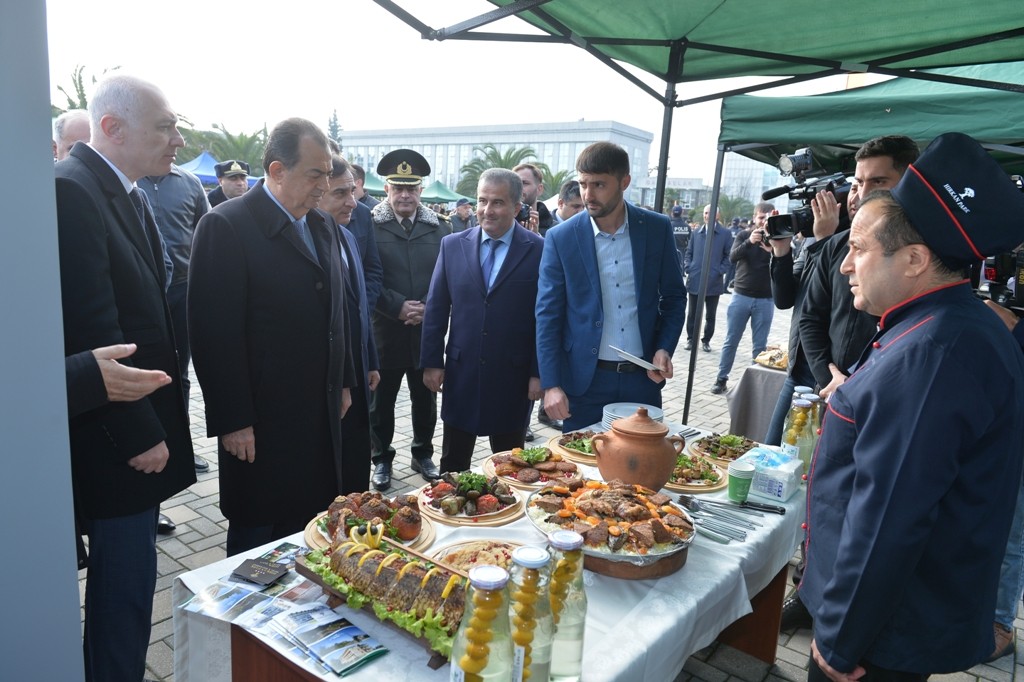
[618, 366]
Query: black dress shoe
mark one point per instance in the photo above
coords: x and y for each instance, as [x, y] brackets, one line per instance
[719, 387]
[426, 468]
[381, 475]
[688, 345]
[543, 418]
[529, 437]
[164, 525]
[705, 346]
[795, 615]
[201, 464]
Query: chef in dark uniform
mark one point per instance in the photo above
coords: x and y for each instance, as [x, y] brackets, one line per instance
[913, 485]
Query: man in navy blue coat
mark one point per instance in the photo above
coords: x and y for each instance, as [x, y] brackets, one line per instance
[693, 268]
[609, 276]
[914, 482]
[485, 283]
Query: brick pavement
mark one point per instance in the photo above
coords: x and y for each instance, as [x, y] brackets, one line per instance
[199, 538]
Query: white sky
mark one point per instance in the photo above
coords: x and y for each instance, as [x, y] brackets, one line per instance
[310, 57]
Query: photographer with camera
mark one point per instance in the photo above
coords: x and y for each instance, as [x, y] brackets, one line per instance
[539, 218]
[752, 293]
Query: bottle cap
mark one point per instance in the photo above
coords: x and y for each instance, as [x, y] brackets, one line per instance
[531, 557]
[802, 389]
[810, 397]
[488, 577]
[800, 402]
[565, 540]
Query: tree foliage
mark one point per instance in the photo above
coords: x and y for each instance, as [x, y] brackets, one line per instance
[80, 99]
[733, 207]
[334, 128]
[491, 157]
[553, 181]
[225, 145]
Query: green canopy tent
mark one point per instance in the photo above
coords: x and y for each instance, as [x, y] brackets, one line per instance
[374, 185]
[834, 125]
[683, 41]
[437, 192]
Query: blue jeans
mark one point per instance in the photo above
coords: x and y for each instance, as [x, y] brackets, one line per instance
[119, 595]
[759, 312]
[1011, 575]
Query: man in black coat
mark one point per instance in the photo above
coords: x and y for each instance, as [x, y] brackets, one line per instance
[408, 240]
[126, 457]
[267, 321]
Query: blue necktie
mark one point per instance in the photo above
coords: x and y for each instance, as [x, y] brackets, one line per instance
[488, 265]
[307, 238]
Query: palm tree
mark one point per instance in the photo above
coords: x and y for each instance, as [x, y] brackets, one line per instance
[225, 145]
[734, 207]
[553, 181]
[80, 100]
[492, 157]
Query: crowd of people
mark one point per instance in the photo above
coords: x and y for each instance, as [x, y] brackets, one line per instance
[303, 304]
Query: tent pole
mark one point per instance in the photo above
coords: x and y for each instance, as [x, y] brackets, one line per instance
[675, 68]
[698, 313]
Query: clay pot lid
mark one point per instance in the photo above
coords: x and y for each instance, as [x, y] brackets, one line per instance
[640, 424]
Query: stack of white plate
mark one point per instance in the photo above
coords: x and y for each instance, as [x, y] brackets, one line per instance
[616, 411]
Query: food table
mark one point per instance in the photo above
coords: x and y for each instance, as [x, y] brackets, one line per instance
[636, 629]
[752, 401]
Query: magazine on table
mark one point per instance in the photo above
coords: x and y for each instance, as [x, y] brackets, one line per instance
[327, 637]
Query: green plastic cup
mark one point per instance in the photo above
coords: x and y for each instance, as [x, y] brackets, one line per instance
[741, 474]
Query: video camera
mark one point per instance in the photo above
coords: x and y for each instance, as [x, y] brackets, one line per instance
[1001, 277]
[801, 220]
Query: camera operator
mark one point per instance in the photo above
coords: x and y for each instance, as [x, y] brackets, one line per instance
[533, 186]
[752, 294]
[787, 274]
[833, 333]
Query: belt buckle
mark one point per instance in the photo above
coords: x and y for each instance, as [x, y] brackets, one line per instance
[622, 367]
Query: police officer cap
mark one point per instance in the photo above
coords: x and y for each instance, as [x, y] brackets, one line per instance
[232, 167]
[677, 210]
[403, 167]
[961, 202]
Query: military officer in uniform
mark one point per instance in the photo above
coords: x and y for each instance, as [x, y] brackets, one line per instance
[408, 238]
[232, 181]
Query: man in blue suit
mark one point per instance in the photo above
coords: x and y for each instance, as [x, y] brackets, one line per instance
[609, 276]
[693, 266]
[485, 282]
[359, 254]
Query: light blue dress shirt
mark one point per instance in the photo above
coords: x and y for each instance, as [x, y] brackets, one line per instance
[618, 293]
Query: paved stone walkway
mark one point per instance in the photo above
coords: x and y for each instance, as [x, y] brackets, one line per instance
[199, 538]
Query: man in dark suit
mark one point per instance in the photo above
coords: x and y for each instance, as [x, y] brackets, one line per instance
[126, 457]
[609, 276]
[485, 283]
[340, 202]
[693, 267]
[268, 325]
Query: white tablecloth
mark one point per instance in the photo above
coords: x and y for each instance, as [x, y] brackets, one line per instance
[636, 629]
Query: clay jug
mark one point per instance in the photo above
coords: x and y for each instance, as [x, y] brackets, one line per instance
[637, 451]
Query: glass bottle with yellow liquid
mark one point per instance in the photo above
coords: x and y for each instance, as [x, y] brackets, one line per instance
[798, 433]
[530, 613]
[568, 605]
[482, 650]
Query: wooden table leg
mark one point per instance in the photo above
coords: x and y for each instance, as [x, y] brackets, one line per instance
[254, 661]
[757, 633]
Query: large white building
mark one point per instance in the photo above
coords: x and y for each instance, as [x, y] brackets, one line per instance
[747, 178]
[448, 149]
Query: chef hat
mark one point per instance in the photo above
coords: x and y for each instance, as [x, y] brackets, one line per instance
[961, 202]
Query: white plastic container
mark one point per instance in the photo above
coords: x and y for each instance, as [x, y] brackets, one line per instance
[777, 476]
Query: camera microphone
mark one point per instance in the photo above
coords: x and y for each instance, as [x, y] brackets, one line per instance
[776, 192]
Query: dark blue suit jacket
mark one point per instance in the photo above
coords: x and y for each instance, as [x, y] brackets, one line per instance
[361, 225]
[490, 355]
[569, 312]
[361, 331]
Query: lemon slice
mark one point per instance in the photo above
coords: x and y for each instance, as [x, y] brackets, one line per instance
[368, 555]
[433, 571]
[387, 560]
[405, 569]
[356, 547]
[452, 583]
